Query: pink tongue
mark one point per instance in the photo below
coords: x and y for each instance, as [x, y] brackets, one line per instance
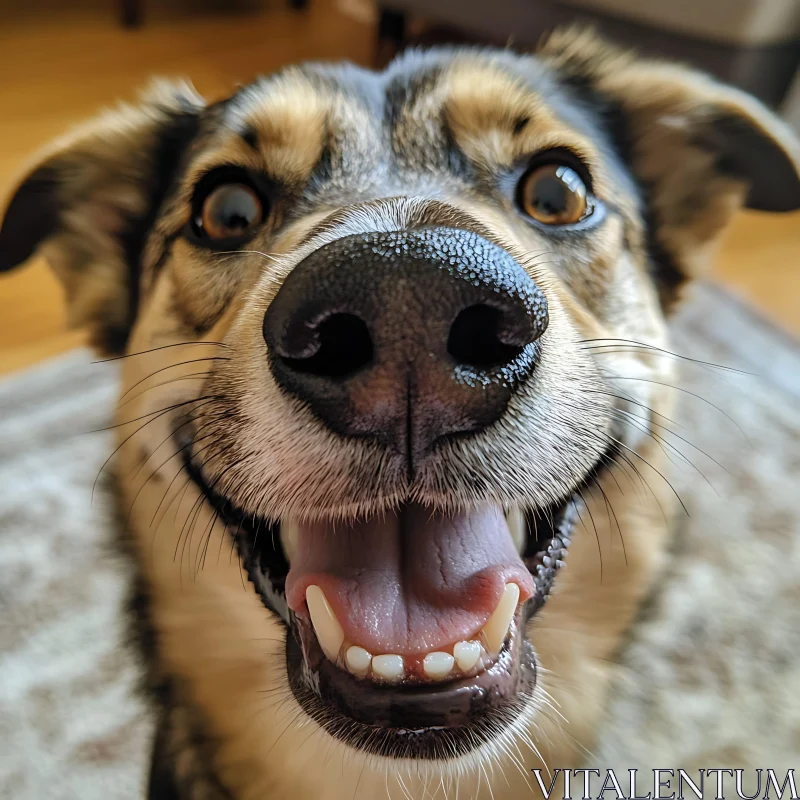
[409, 582]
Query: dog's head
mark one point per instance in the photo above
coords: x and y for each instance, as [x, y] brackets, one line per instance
[389, 311]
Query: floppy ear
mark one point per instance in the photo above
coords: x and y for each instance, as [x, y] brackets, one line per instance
[88, 204]
[699, 149]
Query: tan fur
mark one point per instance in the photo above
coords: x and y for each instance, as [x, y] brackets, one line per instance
[106, 168]
[291, 126]
[214, 634]
[483, 105]
[665, 107]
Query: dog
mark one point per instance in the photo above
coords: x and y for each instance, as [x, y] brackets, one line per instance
[392, 345]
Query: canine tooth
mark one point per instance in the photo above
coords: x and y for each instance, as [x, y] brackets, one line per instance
[438, 665]
[496, 628]
[329, 632]
[388, 667]
[289, 534]
[358, 660]
[467, 655]
[516, 525]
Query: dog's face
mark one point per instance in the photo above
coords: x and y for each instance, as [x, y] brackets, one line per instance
[396, 330]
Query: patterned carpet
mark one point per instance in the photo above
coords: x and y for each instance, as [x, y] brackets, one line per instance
[709, 678]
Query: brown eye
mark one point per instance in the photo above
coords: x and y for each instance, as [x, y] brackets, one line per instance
[553, 194]
[229, 211]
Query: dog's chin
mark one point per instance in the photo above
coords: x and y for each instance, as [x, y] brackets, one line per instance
[451, 685]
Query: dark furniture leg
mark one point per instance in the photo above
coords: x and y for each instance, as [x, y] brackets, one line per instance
[391, 35]
[131, 13]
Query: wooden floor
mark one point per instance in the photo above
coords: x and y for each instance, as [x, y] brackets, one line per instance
[59, 66]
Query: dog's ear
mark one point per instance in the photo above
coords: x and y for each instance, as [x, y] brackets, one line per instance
[698, 149]
[87, 205]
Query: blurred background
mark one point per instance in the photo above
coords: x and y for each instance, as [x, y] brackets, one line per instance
[62, 61]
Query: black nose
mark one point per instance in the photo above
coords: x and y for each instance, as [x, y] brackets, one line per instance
[406, 337]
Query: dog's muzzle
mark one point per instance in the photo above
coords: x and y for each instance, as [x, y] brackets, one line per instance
[411, 622]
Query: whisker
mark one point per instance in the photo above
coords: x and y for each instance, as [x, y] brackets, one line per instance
[610, 440]
[645, 485]
[149, 414]
[633, 344]
[161, 466]
[638, 424]
[215, 482]
[187, 445]
[233, 253]
[594, 525]
[685, 391]
[660, 474]
[677, 436]
[204, 547]
[191, 377]
[194, 513]
[163, 347]
[631, 399]
[171, 366]
[606, 459]
[233, 539]
[170, 435]
[181, 493]
[128, 438]
[610, 511]
[662, 443]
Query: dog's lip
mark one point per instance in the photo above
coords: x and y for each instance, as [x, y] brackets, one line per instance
[429, 719]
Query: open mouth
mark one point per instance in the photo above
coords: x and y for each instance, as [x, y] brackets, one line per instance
[407, 630]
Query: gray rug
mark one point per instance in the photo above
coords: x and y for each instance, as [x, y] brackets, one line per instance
[70, 725]
[711, 676]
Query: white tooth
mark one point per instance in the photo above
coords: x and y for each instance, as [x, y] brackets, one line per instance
[516, 525]
[438, 665]
[495, 630]
[389, 667]
[358, 660]
[289, 533]
[467, 655]
[329, 632]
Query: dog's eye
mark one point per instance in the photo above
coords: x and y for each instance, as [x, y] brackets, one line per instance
[229, 211]
[553, 194]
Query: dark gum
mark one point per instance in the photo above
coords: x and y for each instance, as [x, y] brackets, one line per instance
[448, 704]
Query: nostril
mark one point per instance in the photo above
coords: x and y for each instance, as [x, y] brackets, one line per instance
[485, 336]
[335, 347]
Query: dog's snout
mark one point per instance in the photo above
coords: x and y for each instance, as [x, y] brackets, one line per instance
[406, 337]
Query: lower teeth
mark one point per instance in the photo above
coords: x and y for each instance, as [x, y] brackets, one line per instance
[466, 656]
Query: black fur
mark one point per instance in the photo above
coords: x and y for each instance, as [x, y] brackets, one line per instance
[182, 761]
[175, 137]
